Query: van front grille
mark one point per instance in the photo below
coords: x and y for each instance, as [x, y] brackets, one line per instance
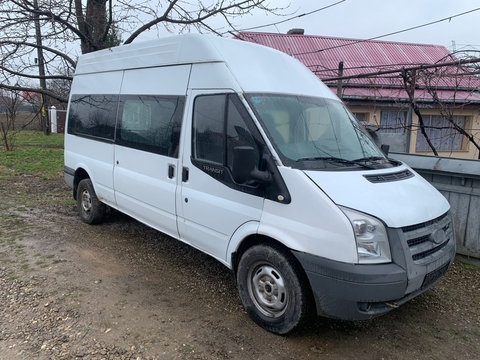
[426, 239]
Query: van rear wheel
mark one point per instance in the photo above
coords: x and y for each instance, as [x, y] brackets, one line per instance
[272, 288]
[91, 209]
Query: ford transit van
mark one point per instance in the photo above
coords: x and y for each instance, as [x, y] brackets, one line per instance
[241, 152]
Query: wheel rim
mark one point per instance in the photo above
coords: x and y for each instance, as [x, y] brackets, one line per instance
[86, 201]
[267, 289]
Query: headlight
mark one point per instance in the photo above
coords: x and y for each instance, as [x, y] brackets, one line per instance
[371, 237]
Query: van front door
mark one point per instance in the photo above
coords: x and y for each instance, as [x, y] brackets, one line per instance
[211, 206]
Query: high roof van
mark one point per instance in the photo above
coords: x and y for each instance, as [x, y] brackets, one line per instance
[241, 152]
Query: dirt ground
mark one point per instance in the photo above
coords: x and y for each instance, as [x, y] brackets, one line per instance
[120, 290]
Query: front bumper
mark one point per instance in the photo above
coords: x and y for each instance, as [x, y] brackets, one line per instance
[358, 292]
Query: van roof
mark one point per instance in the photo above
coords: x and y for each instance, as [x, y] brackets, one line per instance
[254, 67]
[170, 50]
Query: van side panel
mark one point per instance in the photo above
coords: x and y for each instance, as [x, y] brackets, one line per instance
[311, 223]
[101, 83]
[95, 157]
[201, 77]
[166, 80]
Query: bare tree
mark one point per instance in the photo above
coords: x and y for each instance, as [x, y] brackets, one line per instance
[462, 84]
[448, 86]
[65, 26]
[9, 103]
[409, 83]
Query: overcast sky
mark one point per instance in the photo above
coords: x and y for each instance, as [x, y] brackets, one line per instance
[369, 18]
[363, 19]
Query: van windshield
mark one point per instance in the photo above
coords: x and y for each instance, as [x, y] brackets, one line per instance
[315, 133]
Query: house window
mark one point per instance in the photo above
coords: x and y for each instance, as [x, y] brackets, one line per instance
[441, 133]
[361, 117]
[393, 121]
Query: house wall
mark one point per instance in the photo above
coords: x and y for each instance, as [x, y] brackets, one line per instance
[469, 151]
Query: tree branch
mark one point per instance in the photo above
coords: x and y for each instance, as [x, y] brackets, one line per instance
[33, 45]
[47, 77]
[243, 6]
[409, 86]
[36, 90]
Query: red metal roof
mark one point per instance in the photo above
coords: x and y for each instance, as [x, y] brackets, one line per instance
[322, 55]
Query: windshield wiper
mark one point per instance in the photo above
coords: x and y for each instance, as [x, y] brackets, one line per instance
[336, 160]
[370, 158]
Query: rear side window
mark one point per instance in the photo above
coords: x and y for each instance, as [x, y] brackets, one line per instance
[93, 115]
[150, 123]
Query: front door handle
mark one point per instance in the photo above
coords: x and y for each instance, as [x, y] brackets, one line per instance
[184, 174]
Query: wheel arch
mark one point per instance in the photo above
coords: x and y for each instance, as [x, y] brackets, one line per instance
[79, 175]
[257, 239]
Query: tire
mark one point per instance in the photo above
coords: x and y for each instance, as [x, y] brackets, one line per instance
[91, 209]
[272, 288]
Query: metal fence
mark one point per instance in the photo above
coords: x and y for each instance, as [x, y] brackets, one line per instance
[459, 181]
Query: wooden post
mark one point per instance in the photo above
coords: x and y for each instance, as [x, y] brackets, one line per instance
[339, 82]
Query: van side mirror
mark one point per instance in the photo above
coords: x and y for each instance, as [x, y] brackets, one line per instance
[244, 166]
[385, 149]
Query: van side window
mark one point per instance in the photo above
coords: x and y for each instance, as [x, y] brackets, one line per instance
[219, 125]
[238, 133]
[93, 115]
[150, 123]
[209, 128]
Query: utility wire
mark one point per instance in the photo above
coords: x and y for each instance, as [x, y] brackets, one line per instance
[291, 18]
[420, 67]
[392, 33]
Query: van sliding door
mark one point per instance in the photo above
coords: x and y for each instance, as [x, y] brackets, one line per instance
[147, 142]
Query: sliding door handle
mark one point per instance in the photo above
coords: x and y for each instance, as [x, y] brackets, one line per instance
[184, 174]
[171, 171]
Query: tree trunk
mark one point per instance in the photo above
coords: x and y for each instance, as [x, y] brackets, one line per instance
[92, 24]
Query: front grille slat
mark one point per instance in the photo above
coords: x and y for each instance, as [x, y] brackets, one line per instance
[426, 253]
[418, 240]
[424, 224]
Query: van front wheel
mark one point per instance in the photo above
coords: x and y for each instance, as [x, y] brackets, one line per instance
[91, 209]
[272, 288]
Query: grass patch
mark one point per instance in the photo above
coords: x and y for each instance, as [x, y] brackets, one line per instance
[470, 266]
[34, 154]
[37, 138]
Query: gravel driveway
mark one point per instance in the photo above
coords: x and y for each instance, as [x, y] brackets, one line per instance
[120, 290]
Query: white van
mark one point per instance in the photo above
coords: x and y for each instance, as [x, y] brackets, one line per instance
[240, 151]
